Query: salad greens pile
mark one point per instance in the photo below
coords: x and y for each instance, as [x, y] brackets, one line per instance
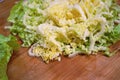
[66, 27]
[7, 45]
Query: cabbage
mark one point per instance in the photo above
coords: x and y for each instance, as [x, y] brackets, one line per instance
[66, 27]
[26, 16]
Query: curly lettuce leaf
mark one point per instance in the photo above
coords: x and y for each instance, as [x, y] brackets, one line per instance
[7, 45]
[5, 54]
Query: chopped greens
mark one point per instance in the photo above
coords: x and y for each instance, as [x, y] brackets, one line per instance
[66, 27]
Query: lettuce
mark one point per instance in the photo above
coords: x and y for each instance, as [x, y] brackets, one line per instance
[7, 45]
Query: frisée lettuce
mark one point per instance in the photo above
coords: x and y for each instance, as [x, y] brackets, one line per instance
[66, 27]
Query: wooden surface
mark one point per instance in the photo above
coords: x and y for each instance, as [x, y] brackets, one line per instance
[23, 67]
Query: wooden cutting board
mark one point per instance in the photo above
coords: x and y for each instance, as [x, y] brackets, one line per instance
[81, 67]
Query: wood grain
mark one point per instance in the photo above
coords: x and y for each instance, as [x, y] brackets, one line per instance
[82, 67]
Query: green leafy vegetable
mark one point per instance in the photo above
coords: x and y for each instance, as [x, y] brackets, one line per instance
[26, 15]
[68, 27]
[114, 35]
[7, 45]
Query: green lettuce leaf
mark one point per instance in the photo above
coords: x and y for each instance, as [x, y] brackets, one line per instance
[7, 45]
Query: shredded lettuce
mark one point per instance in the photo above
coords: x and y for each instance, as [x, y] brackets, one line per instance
[66, 27]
